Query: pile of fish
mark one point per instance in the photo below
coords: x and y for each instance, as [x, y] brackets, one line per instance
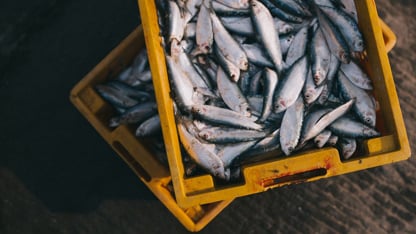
[132, 96]
[254, 76]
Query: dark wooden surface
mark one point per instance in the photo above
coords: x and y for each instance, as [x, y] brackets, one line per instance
[57, 175]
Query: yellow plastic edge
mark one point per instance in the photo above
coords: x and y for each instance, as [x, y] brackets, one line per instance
[389, 37]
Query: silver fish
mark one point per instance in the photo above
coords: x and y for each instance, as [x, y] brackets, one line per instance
[311, 92]
[268, 143]
[347, 127]
[291, 126]
[140, 62]
[129, 91]
[364, 106]
[282, 27]
[225, 116]
[310, 120]
[263, 22]
[333, 68]
[256, 54]
[320, 58]
[223, 135]
[334, 39]
[115, 97]
[256, 104]
[124, 74]
[229, 67]
[135, 114]
[285, 42]
[356, 75]
[348, 147]
[187, 67]
[202, 154]
[204, 33]
[347, 26]
[177, 23]
[271, 81]
[149, 127]
[325, 93]
[239, 25]
[298, 46]
[184, 88]
[229, 152]
[255, 84]
[291, 85]
[327, 119]
[231, 50]
[231, 94]
[322, 138]
[135, 79]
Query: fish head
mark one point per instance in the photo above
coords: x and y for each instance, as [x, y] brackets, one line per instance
[358, 45]
[344, 57]
[255, 6]
[204, 48]
[280, 105]
[196, 109]
[234, 73]
[243, 63]
[370, 119]
[287, 28]
[287, 149]
[347, 152]
[308, 95]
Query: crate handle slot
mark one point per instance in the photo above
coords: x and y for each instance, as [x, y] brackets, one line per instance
[294, 178]
[137, 167]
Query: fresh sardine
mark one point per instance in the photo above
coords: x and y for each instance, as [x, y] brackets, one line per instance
[263, 23]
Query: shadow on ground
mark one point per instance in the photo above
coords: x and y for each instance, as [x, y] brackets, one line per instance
[45, 141]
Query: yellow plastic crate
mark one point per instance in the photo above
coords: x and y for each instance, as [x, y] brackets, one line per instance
[123, 140]
[132, 150]
[308, 166]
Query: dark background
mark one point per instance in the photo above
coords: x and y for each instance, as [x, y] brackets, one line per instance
[57, 175]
